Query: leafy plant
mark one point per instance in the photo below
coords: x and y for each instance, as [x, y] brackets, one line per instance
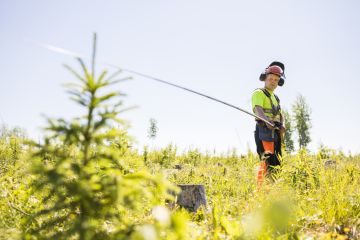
[85, 186]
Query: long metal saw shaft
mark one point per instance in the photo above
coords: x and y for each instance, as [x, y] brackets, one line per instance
[71, 53]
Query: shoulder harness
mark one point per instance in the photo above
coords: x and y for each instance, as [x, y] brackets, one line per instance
[275, 109]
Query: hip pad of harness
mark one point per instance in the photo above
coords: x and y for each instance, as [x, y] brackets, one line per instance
[266, 134]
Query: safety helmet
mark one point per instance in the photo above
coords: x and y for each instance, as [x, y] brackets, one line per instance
[277, 68]
[274, 70]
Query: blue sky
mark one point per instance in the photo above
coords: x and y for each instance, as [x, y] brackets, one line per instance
[216, 47]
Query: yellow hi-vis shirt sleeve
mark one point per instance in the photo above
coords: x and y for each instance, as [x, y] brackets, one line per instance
[258, 99]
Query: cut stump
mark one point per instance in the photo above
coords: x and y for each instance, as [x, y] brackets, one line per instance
[330, 163]
[191, 197]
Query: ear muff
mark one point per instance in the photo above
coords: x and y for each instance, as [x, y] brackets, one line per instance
[262, 76]
[281, 81]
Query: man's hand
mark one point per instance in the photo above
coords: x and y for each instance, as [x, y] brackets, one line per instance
[277, 126]
[271, 127]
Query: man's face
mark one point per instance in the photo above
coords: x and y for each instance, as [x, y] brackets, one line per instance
[271, 81]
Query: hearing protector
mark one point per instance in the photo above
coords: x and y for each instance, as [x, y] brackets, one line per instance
[282, 77]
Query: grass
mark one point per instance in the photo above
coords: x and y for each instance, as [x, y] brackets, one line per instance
[305, 201]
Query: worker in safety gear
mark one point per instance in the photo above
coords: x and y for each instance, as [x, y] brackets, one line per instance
[266, 104]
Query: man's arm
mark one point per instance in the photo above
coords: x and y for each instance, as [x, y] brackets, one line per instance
[259, 111]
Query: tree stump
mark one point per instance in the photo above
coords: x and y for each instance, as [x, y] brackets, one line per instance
[191, 197]
[178, 167]
[330, 164]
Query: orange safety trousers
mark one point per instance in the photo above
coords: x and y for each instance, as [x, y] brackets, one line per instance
[269, 147]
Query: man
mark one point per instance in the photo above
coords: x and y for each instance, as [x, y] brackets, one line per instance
[266, 104]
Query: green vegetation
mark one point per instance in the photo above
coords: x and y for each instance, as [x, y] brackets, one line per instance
[302, 121]
[84, 181]
[289, 142]
[307, 199]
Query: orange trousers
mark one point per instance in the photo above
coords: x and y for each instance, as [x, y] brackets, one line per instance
[269, 147]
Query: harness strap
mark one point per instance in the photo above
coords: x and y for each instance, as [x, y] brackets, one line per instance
[275, 110]
[267, 110]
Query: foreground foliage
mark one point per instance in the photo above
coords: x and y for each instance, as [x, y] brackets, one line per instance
[310, 198]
